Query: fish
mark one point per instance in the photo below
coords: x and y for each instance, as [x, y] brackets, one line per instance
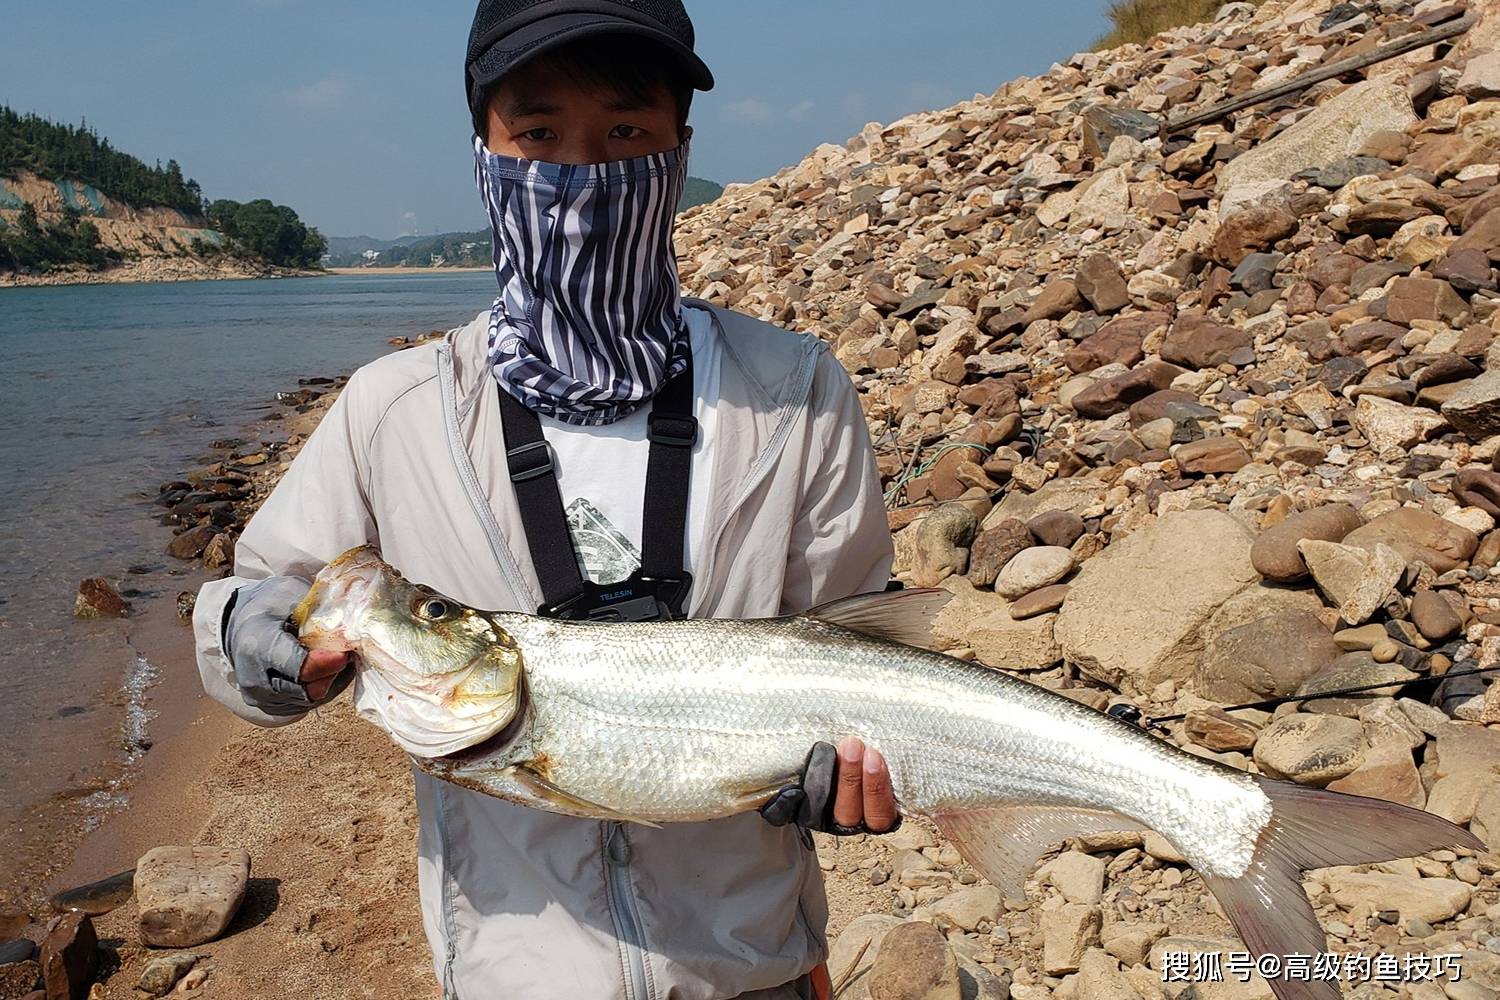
[687, 720]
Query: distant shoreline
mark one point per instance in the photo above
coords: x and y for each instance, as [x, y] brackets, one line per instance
[407, 270]
[161, 269]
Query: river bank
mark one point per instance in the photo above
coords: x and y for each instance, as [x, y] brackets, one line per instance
[148, 269]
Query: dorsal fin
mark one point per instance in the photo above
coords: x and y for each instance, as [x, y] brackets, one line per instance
[903, 616]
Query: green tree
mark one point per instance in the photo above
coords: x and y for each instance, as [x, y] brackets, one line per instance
[272, 233]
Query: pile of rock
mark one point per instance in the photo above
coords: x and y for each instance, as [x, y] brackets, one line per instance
[1193, 422]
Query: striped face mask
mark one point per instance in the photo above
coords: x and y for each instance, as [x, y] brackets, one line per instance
[588, 324]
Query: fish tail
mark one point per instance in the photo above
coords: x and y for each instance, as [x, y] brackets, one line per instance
[1314, 828]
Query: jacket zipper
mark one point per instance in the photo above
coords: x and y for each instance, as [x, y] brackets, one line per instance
[621, 896]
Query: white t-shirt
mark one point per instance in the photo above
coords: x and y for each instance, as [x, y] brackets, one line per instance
[601, 470]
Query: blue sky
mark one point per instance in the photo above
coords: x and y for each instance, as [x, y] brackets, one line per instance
[353, 113]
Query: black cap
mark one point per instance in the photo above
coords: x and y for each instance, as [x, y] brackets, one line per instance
[507, 33]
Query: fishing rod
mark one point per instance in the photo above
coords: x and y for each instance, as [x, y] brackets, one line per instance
[1129, 713]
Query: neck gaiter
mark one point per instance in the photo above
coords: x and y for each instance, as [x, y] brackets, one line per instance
[588, 324]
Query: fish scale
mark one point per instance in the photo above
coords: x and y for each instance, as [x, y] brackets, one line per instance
[678, 721]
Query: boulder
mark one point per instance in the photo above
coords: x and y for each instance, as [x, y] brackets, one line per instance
[1102, 284]
[939, 543]
[1434, 616]
[1310, 749]
[1429, 899]
[1475, 408]
[1336, 129]
[1267, 658]
[1124, 634]
[1353, 669]
[1275, 555]
[187, 896]
[97, 598]
[1419, 536]
[914, 963]
[1250, 230]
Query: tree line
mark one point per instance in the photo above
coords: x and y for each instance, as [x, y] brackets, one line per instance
[255, 229]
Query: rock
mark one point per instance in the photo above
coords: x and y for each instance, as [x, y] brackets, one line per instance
[97, 598]
[1114, 395]
[1001, 639]
[1434, 617]
[1357, 669]
[1131, 942]
[1103, 123]
[1338, 128]
[1068, 932]
[1390, 425]
[1429, 299]
[1199, 344]
[1475, 409]
[1104, 201]
[1116, 342]
[219, 551]
[1078, 876]
[1209, 456]
[1356, 580]
[1074, 495]
[915, 963]
[1387, 772]
[1219, 731]
[1275, 554]
[1102, 284]
[1056, 527]
[853, 953]
[1478, 488]
[1429, 899]
[940, 543]
[993, 548]
[1099, 978]
[1266, 658]
[1196, 560]
[1039, 602]
[96, 898]
[70, 957]
[1033, 568]
[1481, 77]
[1247, 231]
[191, 543]
[13, 920]
[187, 895]
[1419, 537]
[970, 908]
[161, 974]
[1058, 298]
[1310, 749]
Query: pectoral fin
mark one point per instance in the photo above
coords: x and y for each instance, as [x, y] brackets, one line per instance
[1004, 843]
[549, 796]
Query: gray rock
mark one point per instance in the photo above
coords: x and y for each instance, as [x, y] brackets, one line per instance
[1356, 669]
[161, 974]
[1475, 408]
[1335, 130]
[1275, 555]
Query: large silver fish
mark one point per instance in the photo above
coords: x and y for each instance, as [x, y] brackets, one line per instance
[660, 722]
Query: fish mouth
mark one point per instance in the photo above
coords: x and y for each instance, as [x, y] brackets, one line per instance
[419, 720]
[501, 739]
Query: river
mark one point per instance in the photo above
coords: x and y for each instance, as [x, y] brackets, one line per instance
[106, 391]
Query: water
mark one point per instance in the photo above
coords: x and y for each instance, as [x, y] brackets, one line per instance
[106, 391]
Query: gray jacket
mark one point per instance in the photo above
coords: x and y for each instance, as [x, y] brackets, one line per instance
[526, 904]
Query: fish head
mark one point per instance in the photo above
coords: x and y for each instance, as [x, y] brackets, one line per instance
[437, 675]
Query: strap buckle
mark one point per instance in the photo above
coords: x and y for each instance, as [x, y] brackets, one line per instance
[672, 429]
[530, 460]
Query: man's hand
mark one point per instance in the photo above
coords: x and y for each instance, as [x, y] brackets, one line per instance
[276, 673]
[864, 793]
[841, 791]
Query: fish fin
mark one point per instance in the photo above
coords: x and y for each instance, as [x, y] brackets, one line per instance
[567, 803]
[1314, 828]
[903, 616]
[1004, 842]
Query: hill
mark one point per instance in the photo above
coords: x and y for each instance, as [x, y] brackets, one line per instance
[69, 200]
[470, 249]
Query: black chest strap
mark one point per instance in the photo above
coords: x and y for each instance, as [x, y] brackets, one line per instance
[533, 474]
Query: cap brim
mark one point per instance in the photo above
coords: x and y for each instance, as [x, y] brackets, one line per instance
[526, 43]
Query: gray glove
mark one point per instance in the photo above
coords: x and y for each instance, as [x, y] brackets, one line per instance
[263, 647]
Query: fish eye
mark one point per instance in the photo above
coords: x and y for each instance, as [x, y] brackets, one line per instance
[432, 608]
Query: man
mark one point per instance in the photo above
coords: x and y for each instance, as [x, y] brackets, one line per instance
[580, 147]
